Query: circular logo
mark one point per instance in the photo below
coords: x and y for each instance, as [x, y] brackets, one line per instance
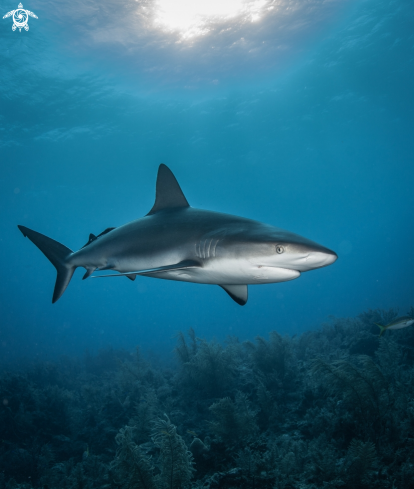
[20, 17]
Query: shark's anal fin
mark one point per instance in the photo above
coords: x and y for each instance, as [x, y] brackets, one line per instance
[88, 273]
[131, 277]
[168, 193]
[238, 293]
[149, 271]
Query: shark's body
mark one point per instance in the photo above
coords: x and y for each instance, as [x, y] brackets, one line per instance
[177, 242]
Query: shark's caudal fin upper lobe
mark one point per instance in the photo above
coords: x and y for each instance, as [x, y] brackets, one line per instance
[57, 253]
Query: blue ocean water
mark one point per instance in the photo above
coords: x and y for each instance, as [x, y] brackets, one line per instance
[298, 114]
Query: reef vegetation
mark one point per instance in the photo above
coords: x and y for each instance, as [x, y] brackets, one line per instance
[331, 408]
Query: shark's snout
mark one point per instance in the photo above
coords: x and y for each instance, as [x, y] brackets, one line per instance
[319, 259]
[305, 255]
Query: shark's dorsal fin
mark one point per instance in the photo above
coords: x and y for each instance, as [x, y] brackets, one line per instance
[107, 230]
[168, 194]
[91, 239]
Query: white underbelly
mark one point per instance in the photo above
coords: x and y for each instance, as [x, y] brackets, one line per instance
[230, 272]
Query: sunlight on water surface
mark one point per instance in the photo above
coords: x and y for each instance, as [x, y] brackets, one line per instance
[193, 18]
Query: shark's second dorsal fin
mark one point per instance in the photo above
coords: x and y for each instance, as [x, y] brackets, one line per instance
[168, 194]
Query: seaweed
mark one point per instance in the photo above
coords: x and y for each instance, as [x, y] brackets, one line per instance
[134, 469]
[205, 366]
[330, 408]
[362, 458]
[132, 466]
[364, 389]
[234, 420]
[175, 460]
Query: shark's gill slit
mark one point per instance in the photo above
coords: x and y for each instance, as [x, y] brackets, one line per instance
[208, 250]
[214, 248]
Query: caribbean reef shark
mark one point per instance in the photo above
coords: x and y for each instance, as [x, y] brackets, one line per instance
[177, 242]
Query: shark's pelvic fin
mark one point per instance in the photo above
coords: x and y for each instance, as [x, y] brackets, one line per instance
[57, 253]
[168, 193]
[238, 293]
[168, 268]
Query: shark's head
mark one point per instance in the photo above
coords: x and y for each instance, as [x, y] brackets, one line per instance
[289, 250]
[275, 247]
[303, 255]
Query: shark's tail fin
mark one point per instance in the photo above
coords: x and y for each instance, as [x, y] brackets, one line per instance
[382, 328]
[57, 253]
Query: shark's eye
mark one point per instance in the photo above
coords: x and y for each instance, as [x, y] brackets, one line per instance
[279, 249]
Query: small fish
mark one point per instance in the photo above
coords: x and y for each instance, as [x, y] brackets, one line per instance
[192, 433]
[399, 323]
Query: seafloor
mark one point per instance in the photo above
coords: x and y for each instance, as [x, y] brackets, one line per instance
[332, 408]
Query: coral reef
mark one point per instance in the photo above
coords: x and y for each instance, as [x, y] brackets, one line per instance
[331, 408]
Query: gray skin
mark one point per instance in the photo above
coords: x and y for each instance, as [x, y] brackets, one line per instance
[228, 249]
[177, 242]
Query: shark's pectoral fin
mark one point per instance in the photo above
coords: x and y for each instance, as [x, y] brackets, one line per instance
[170, 268]
[149, 271]
[238, 293]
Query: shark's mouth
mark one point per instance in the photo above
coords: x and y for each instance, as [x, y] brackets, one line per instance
[311, 261]
[265, 273]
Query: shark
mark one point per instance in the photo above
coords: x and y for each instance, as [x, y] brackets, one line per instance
[175, 241]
